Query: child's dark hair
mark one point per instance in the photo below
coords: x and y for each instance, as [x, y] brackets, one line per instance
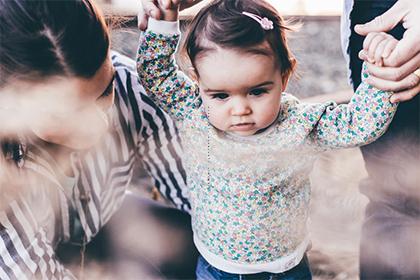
[44, 38]
[223, 24]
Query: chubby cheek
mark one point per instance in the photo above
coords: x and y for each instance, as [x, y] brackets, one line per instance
[76, 131]
[268, 112]
[216, 115]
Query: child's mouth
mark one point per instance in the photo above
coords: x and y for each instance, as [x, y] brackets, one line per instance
[242, 126]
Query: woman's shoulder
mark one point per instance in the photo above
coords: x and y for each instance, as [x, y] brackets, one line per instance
[131, 100]
[122, 61]
[128, 89]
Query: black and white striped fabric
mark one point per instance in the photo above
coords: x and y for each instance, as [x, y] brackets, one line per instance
[57, 208]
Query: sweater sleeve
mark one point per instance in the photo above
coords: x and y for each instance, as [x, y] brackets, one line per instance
[363, 120]
[165, 84]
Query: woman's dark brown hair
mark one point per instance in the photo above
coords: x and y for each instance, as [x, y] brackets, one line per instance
[44, 38]
[222, 23]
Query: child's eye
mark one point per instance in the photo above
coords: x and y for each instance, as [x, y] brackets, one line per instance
[220, 96]
[258, 91]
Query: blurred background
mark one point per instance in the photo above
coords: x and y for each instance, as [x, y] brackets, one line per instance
[337, 206]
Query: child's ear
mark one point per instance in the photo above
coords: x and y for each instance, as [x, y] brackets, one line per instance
[284, 82]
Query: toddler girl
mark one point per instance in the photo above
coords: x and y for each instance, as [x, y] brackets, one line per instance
[249, 146]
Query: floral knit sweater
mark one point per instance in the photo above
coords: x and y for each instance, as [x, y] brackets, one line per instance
[250, 195]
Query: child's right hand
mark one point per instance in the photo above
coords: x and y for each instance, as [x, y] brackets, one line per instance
[161, 10]
[377, 46]
[169, 9]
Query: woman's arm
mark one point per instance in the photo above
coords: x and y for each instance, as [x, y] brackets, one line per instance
[25, 251]
[153, 133]
[161, 153]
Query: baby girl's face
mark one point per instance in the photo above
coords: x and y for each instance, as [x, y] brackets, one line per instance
[240, 90]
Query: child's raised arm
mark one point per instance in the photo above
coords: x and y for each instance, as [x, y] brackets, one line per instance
[170, 88]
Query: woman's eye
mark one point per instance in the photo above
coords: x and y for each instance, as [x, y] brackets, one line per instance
[220, 96]
[258, 91]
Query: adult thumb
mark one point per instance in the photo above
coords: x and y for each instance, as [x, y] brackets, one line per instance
[382, 23]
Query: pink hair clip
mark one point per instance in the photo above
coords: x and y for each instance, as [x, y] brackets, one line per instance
[265, 23]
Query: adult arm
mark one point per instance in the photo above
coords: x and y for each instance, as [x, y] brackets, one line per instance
[25, 251]
[152, 132]
[161, 153]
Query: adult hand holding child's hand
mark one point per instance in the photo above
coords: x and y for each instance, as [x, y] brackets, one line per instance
[399, 70]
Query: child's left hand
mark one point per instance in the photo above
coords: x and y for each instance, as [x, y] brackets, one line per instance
[377, 46]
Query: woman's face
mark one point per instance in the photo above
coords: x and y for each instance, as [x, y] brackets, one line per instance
[68, 111]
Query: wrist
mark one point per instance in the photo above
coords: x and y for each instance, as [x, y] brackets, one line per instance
[163, 26]
[170, 14]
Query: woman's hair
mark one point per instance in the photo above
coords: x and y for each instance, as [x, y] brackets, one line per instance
[222, 23]
[45, 38]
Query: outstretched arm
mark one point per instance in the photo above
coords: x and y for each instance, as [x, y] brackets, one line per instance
[364, 119]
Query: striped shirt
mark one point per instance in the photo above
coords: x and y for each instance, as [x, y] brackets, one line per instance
[56, 208]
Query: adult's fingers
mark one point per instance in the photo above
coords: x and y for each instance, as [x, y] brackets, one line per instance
[405, 49]
[395, 73]
[167, 4]
[405, 95]
[408, 82]
[149, 8]
[142, 20]
[185, 4]
[384, 22]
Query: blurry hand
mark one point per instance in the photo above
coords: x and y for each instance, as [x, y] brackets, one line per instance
[400, 64]
[161, 9]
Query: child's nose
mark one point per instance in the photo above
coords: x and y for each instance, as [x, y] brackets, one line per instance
[240, 108]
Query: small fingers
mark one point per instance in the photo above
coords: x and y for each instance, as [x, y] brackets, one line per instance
[368, 40]
[390, 46]
[379, 52]
[363, 55]
[374, 42]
